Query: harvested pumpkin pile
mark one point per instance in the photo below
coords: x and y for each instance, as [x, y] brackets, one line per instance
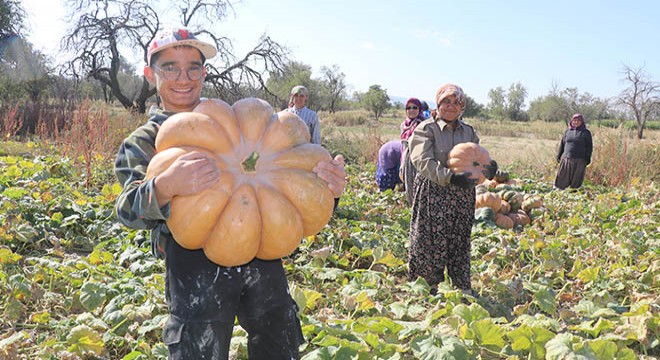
[502, 202]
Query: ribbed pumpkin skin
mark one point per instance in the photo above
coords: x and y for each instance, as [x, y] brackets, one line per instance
[469, 157]
[262, 212]
[488, 199]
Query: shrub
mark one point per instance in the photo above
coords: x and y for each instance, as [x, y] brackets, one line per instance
[619, 157]
[345, 118]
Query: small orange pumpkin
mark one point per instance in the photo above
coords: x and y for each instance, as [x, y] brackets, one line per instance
[531, 202]
[469, 157]
[267, 198]
[505, 207]
[519, 217]
[488, 199]
[503, 221]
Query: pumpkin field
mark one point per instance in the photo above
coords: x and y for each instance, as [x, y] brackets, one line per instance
[577, 278]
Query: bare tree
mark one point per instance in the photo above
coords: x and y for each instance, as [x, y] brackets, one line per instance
[104, 30]
[642, 96]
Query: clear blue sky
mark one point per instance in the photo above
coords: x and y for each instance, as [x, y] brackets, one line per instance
[411, 48]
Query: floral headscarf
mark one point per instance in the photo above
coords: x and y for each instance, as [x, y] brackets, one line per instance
[409, 125]
[448, 90]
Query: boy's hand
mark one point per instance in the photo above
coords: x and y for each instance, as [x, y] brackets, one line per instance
[333, 173]
[190, 174]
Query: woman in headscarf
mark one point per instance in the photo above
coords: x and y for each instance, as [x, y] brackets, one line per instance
[574, 154]
[442, 201]
[387, 168]
[414, 116]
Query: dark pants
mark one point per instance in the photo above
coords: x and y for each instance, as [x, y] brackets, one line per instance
[204, 299]
[571, 173]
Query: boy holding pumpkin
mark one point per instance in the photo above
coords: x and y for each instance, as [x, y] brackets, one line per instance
[203, 298]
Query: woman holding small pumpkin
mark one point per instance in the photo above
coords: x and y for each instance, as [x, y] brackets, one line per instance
[442, 201]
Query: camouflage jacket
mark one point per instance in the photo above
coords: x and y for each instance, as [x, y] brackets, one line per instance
[137, 206]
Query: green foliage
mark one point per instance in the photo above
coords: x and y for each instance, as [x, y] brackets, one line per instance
[473, 109]
[376, 100]
[12, 19]
[325, 93]
[579, 282]
[559, 106]
[497, 103]
[293, 74]
[509, 104]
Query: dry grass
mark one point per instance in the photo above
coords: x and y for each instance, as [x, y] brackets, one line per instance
[527, 150]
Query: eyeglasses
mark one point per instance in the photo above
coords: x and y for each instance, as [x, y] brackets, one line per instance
[170, 72]
[412, 108]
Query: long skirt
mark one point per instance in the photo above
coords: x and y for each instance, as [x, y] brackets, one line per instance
[571, 173]
[440, 228]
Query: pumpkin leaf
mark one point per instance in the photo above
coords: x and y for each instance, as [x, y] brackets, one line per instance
[531, 339]
[562, 347]
[84, 340]
[8, 257]
[92, 295]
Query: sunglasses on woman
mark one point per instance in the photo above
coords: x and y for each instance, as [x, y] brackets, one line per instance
[412, 108]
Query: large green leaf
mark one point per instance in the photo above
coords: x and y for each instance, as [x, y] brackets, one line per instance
[431, 348]
[530, 339]
[470, 313]
[544, 298]
[487, 334]
[563, 347]
[84, 340]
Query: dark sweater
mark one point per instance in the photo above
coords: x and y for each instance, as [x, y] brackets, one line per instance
[576, 144]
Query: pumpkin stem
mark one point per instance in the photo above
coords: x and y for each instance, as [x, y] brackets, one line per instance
[250, 164]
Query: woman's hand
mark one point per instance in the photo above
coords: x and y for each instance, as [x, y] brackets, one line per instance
[333, 173]
[462, 180]
[490, 170]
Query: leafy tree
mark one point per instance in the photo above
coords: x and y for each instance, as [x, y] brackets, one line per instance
[515, 102]
[497, 103]
[508, 104]
[12, 16]
[642, 96]
[560, 105]
[375, 100]
[280, 82]
[473, 109]
[104, 30]
[24, 71]
[334, 82]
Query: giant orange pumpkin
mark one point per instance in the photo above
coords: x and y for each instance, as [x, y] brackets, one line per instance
[267, 198]
[469, 157]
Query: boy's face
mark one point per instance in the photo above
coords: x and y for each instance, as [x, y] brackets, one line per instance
[178, 93]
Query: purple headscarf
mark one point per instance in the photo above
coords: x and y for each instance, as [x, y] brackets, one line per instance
[409, 125]
[581, 118]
